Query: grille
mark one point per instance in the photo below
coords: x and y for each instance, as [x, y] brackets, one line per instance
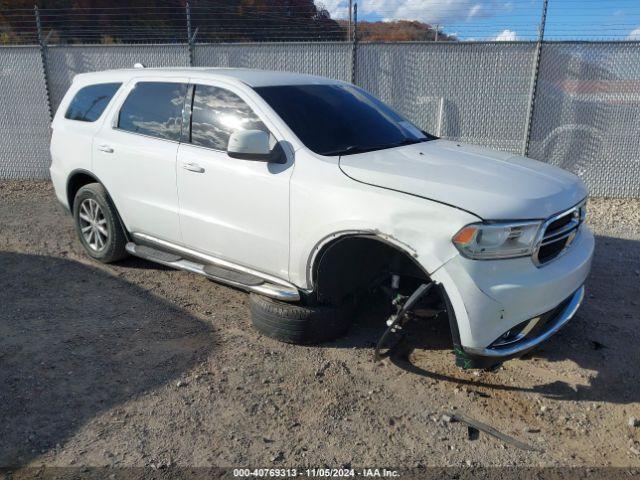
[558, 233]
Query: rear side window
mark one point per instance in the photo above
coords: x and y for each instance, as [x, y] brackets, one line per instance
[216, 114]
[89, 103]
[154, 109]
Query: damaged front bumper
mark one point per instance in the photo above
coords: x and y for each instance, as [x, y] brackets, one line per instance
[546, 325]
[502, 309]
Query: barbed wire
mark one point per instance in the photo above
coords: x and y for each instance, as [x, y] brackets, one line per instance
[280, 21]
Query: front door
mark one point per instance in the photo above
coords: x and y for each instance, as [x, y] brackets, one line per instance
[237, 210]
[134, 155]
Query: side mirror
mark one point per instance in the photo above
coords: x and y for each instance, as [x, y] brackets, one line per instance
[254, 145]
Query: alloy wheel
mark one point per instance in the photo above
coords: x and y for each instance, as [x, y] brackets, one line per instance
[93, 224]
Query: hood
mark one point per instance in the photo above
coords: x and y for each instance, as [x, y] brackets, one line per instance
[490, 184]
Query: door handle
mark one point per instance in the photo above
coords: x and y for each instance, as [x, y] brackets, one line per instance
[105, 148]
[193, 167]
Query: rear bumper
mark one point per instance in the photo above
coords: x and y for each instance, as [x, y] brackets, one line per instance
[490, 298]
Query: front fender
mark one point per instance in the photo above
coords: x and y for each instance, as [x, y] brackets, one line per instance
[326, 204]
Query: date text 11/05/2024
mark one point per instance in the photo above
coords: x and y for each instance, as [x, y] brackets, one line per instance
[316, 472]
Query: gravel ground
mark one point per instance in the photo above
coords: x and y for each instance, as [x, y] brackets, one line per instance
[137, 365]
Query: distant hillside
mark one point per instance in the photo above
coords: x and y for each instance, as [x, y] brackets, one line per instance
[399, 31]
[157, 21]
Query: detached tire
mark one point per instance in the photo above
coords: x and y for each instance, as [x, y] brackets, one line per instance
[292, 323]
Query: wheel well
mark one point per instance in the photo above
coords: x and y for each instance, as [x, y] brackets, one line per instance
[75, 183]
[351, 264]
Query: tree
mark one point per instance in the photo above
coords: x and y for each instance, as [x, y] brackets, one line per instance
[154, 21]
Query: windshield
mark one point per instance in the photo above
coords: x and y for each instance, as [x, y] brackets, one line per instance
[340, 119]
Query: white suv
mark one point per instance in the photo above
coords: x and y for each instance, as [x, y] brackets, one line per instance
[309, 192]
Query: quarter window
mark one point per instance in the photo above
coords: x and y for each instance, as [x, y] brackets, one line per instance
[154, 109]
[89, 103]
[216, 114]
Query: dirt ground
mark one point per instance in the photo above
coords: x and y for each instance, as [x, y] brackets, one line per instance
[133, 364]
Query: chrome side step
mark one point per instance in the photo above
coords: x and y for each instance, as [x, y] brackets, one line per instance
[215, 269]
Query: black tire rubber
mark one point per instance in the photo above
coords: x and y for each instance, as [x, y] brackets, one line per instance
[114, 249]
[298, 324]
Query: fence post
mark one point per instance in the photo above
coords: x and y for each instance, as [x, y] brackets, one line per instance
[189, 33]
[43, 59]
[350, 20]
[354, 49]
[534, 79]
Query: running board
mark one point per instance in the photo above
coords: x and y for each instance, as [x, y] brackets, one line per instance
[216, 271]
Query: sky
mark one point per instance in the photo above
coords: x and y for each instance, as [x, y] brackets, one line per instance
[507, 19]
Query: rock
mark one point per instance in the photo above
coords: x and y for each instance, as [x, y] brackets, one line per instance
[543, 409]
[181, 383]
[531, 430]
[324, 368]
[634, 422]
[446, 418]
[278, 457]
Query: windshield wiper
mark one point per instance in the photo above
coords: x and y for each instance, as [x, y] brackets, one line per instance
[351, 149]
[348, 150]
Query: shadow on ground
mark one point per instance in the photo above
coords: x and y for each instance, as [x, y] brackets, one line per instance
[595, 340]
[75, 341]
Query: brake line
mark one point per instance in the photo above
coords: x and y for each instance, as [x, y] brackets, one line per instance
[398, 320]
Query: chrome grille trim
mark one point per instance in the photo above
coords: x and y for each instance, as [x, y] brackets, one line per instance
[566, 233]
[561, 233]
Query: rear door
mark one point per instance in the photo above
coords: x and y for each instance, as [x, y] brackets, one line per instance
[237, 210]
[134, 155]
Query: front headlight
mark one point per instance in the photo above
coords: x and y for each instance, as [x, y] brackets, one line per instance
[483, 241]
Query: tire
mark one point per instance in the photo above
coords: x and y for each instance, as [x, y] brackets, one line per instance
[297, 324]
[109, 239]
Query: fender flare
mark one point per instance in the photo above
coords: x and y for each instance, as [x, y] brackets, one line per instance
[322, 246]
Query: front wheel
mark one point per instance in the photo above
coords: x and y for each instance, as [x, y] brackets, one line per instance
[98, 225]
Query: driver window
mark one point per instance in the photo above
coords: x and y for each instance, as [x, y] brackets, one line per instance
[216, 114]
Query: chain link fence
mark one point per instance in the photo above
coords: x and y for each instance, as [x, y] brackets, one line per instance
[584, 109]
[586, 115]
[329, 59]
[476, 93]
[24, 114]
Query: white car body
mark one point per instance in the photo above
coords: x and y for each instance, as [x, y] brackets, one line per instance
[273, 219]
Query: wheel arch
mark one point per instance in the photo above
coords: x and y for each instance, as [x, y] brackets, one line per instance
[80, 177]
[77, 179]
[350, 249]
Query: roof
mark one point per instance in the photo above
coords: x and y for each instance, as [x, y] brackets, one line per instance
[251, 77]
